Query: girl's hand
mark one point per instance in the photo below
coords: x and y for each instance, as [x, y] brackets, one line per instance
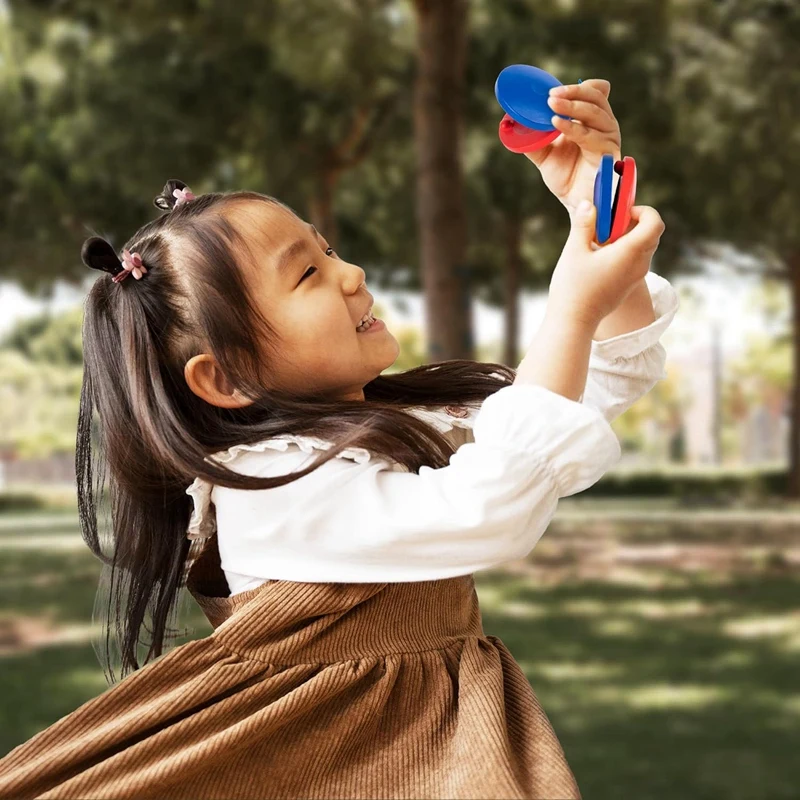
[589, 282]
[569, 164]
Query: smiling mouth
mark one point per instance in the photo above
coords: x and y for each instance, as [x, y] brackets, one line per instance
[367, 323]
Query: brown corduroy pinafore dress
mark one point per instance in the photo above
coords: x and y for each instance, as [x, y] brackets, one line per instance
[309, 690]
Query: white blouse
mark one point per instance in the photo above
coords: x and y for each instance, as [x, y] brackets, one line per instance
[363, 519]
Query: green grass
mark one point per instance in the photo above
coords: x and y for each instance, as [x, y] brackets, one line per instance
[41, 684]
[656, 692]
[661, 680]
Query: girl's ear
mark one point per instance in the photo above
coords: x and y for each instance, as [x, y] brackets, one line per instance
[207, 380]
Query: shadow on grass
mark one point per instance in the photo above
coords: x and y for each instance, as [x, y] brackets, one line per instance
[42, 686]
[680, 691]
[681, 685]
[60, 584]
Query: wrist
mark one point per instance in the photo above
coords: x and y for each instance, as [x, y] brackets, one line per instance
[634, 312]
[558, 356]
[570, 322]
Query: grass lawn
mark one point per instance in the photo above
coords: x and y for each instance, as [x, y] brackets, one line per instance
[666, 657]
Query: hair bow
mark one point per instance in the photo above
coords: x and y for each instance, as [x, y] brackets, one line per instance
[182, 195]
[131, 263]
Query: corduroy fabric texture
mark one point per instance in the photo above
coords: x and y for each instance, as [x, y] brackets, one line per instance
[310, 690]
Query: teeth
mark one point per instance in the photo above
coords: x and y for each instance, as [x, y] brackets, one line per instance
[368, 317]
[365, 326]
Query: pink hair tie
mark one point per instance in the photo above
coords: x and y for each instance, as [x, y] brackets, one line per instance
[131, 263]
[182, 195]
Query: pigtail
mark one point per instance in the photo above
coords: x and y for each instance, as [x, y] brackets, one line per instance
[132, 504]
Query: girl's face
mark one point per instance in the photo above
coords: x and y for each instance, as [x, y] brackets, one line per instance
[314, 299]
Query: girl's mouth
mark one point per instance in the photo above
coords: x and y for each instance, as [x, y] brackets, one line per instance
[366, 321]
[371, 324]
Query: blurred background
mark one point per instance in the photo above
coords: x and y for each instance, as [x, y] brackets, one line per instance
[658, 618]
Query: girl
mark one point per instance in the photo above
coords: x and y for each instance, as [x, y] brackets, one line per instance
[327, 518]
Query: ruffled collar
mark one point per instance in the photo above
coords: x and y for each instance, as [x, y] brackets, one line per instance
[203, 524]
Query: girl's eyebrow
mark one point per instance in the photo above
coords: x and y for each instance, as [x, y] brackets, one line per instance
[284, 260]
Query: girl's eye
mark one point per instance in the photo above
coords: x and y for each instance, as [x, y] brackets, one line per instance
[313, 267]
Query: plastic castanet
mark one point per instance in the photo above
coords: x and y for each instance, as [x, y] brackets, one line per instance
[519, 139]
[603, 188]
[624, 199]
[523, 91]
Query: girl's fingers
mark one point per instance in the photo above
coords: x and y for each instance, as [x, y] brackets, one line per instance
[588, 113]
[600, 84]
[634, 249]
[647, 229]
[587, 138]
[633, 221]
[588, 91]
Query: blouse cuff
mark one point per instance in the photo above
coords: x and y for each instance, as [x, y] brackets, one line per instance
[627, 345]
[573, 443]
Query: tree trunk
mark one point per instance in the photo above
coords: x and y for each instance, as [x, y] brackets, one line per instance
[441, 211]
[794, 409]
[321, 207]
[513, 239]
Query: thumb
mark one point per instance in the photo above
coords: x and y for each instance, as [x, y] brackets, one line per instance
[582, 229]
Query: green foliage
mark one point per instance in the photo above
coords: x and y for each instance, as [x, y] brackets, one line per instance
[41, 368]
[38, 405]
[103, 103]
[313, 102]
[764, 362]
[49, 338]
[737, 67]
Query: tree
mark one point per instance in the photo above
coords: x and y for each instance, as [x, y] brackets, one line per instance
[738, 72]
[348, 66]
[518, 227]
[103, 103]
[441, 208]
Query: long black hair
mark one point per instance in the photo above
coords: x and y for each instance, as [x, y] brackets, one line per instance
[151, 434]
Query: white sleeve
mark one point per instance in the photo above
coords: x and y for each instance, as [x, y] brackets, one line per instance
[624, 368]
[365, 522]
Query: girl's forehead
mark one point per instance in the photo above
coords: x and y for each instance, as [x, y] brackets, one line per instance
[266, 231]
[266, 226]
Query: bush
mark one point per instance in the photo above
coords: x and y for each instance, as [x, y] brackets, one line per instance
[22, 501]
[38, 497]
[701, 484]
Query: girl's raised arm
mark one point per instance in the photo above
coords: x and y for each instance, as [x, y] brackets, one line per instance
[364, 522]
